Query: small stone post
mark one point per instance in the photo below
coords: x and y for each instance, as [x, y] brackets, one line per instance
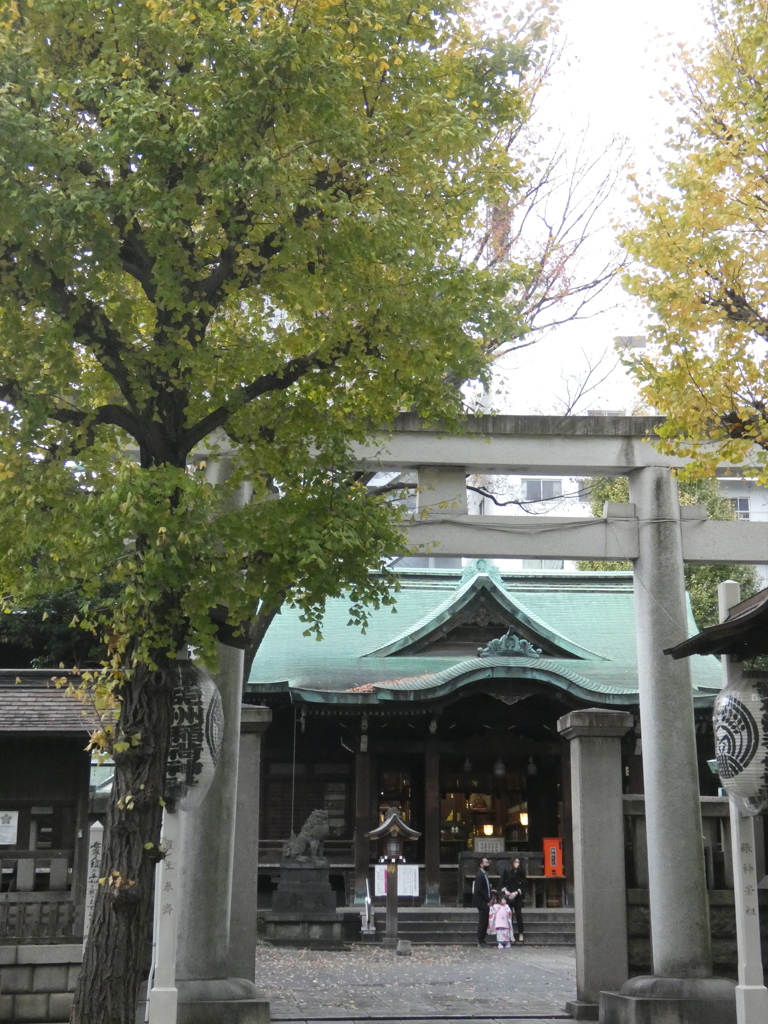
[95, 848]
[751, 993]
[164, 996]
[598, 853]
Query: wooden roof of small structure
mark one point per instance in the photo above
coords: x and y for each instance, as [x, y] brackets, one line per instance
[743, 634]
[31, 704]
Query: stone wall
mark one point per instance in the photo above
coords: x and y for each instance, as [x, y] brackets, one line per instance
[37, 982]
[722, 925]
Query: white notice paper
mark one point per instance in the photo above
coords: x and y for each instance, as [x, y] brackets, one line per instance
[9, 827]
[407, 880]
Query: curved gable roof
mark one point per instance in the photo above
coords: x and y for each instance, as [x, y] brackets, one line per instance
[585, 619]
[438, 620]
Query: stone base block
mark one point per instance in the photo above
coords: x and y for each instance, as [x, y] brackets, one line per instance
[582, 1011]
[29, 1007]
[59, 1005]
[221, 1001]
[652, 1000]
[319, 930]
[234, 1011]
[303, 886]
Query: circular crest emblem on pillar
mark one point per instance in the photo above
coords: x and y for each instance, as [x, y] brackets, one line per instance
[741, 742]
[196, 734]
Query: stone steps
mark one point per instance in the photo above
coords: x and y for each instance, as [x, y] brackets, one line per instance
[424, 926]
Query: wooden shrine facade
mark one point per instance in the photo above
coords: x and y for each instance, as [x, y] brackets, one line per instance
[448, 710]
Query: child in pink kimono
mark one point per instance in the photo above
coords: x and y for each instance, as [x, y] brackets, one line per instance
[502, 924]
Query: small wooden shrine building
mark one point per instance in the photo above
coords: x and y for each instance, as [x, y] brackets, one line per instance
[447, 708]
[43, 808]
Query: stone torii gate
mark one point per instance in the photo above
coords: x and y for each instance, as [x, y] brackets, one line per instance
[658, 536]
[653, 532]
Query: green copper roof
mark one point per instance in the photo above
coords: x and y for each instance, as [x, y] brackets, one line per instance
[585, 622]
[471, 585]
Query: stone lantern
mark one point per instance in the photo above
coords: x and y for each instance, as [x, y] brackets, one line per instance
[391, 834]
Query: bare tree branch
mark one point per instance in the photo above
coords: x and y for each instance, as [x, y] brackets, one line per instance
[552, 226]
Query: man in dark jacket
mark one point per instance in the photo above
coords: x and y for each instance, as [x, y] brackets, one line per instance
[481, 899]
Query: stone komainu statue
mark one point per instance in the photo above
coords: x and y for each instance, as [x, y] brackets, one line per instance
[308, 844]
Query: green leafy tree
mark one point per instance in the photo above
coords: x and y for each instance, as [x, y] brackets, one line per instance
[229, 238]
[43, 636]
[701, 581]
[698, 243]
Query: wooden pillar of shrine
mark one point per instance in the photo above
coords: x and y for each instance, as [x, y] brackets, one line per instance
[432, 821]
[567, 824]
[364, 820]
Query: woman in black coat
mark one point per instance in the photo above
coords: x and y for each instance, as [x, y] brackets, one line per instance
[513, 885]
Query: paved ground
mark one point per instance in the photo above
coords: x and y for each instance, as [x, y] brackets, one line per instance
[435, 984]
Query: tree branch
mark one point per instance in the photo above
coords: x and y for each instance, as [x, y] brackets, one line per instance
[92, 327]
[135, 258]
[279, 380]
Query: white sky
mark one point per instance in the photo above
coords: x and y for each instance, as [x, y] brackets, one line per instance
[609, 80]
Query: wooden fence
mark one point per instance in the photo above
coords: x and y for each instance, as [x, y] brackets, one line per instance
[36, 901]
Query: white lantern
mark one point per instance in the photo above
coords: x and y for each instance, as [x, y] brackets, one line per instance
[741, 741]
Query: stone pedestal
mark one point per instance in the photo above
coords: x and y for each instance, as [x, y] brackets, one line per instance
[598, 854]
[221, 1001]
[304, 906]
[653, 1000]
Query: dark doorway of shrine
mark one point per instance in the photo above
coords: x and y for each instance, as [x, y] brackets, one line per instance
[484, 767]
[501, 772]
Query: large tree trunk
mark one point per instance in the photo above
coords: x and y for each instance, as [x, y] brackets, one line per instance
[115, 955]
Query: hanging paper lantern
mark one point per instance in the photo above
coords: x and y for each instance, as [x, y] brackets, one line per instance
[741, 742]
[196, 734]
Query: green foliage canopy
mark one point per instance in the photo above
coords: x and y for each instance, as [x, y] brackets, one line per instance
[699, 247]
[701, 581]
[232, 228]
[229, 245]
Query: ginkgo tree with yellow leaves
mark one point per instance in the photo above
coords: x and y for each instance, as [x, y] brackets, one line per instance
[699, 246]
[227, 227]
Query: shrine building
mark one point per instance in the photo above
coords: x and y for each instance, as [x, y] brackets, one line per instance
[447, 707]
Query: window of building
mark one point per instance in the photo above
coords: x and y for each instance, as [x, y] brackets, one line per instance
[542, 563]
[542, 490]
[740, 507]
